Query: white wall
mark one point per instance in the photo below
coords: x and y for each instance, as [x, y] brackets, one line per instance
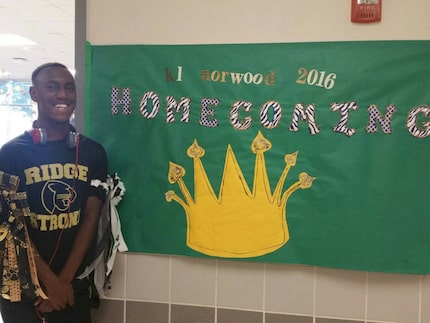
[248, 21]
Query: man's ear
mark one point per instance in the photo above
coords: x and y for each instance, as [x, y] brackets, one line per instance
[33, 93]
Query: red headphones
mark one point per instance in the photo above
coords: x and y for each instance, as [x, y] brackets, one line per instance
[40, 136]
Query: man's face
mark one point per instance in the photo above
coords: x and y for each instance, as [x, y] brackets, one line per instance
[55, 94]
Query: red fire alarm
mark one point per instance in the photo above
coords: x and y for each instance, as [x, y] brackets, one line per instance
[366, 10]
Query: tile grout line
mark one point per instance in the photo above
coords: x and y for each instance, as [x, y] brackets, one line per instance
[314, 296]
[170, 289]
[420, 299]
[124, 315]
[366, 297]
[264, 293]
[216, 292]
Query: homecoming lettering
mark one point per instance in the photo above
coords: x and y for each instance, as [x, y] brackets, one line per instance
[270, 113]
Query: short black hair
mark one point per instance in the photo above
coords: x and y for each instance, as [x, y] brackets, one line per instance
[42, 67]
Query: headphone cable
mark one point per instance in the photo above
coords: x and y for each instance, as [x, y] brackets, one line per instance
[72, 193]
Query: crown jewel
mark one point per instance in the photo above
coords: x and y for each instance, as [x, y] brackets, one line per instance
[239, 223]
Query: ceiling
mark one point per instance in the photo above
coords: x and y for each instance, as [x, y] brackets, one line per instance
[48, 23]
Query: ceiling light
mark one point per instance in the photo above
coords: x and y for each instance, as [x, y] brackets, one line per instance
[14, 40]
[19, 59]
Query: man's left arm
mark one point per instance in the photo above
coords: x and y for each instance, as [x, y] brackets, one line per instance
[88, 228]
[84, 238]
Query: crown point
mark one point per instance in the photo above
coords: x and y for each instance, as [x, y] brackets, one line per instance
[175, 172]
[195, 151]
[169, 195]
[305, 180]
[260, 144]
[291, 159]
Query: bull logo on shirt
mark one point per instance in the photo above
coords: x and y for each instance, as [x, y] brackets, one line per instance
[57, 196]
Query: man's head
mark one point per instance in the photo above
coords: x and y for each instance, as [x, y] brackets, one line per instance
[54, 91]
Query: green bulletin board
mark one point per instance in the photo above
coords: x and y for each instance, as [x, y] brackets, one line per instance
[212, 141]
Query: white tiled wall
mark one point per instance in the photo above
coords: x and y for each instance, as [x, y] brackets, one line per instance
[274, 288]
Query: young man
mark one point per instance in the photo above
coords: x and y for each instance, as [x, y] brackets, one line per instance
[56, 166]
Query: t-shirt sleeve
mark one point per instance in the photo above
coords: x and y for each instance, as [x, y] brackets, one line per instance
[7, 160]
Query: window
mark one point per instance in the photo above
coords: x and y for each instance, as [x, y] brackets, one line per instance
[17, 110]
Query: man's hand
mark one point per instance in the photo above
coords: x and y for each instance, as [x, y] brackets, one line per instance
[60, 294]
[43, 305]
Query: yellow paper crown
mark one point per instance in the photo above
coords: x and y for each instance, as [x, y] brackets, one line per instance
[238, 223]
